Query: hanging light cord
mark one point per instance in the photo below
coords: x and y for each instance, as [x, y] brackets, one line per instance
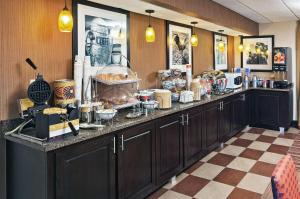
[65, 5]
[149, 19]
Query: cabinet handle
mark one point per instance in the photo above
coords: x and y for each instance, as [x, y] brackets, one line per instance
[168, 124]
[122, 142]
[222, 105]
[187, 119]
[182, 120]
[114, 141]
[134, 137]
[243, 97]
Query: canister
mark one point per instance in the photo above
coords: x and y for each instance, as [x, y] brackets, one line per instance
[64, 92]
[164, 98]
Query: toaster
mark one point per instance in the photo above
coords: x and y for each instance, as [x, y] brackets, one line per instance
[234, 80]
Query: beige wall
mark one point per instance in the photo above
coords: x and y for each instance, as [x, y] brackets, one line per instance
[285, 36]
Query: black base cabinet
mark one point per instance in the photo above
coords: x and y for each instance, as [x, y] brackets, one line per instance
[272, 109]
[169, 149]
[211, 126]
[132, 163]
[136, 161]
[192, 135]
[86, 170]
[239, 113]
[225, 120]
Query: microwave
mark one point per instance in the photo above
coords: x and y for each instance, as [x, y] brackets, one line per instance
[234, 80]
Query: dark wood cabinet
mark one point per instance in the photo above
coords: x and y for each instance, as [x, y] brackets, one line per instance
[136, 161]
[225, 120]
[192, 135]
[272, 109]
[210, 125]
[133, 162]
[87, 170]
[169, 151]
[239, 113]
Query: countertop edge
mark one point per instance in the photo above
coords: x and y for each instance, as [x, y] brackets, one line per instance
[61, 143]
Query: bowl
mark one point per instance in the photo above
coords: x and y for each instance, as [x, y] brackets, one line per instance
[169, 85]
[106, 114]
[150, 104]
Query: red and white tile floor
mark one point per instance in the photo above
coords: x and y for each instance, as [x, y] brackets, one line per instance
[242, 169]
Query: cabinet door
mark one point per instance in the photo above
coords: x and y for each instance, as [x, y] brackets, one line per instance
[210, 125]
[168, 147]
[86, 170]
[267, 111]
[239, 113]
[225, 121]
[136, 161]
[192, 135]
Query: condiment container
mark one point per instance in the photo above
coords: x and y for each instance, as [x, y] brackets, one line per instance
[64, 92]
[196, 88]
[163, 97]
[86, 113]
[254, 81]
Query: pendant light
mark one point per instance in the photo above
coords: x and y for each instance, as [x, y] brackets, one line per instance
[150, 33]
[194, 37]
[65, 20]
[221, 44]
[241, 46]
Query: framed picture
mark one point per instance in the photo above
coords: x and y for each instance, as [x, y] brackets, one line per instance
[258, 52]
[100, 32]
[179, 48]
[220, 53]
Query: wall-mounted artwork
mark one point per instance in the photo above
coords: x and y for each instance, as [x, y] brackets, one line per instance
[179, 48]
[102, 33]
[220, 52]
[258, 52]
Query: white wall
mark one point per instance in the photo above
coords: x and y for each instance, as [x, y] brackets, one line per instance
[285, 36]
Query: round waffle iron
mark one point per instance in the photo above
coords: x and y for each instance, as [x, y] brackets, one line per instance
[39, 91]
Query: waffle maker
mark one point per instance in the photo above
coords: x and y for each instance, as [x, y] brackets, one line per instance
[42, 121]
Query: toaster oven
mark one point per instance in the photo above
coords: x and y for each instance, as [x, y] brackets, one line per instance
[234, 80]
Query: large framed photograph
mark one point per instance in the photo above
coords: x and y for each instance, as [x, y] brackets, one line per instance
[258, 52]
[220, 52]
[102, 33]
[179, 48]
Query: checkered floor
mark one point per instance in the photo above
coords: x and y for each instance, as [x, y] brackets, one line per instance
[242, 169]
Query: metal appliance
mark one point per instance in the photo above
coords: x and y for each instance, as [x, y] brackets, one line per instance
[42, 121]
[282, 63]
[234, 80]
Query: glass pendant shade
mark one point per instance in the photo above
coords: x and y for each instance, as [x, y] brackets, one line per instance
[194, 40]
[65, 21]
[241, 47]
[221, 46]
[150, 34]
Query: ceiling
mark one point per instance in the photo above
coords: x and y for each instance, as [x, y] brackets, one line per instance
[139, 6]
[265, 11]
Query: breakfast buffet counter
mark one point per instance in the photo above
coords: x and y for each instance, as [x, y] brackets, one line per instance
[120, 123]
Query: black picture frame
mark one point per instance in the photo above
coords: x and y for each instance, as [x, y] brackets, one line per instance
[100, 6]
[214, 54]
[168, 23]
[271, 53]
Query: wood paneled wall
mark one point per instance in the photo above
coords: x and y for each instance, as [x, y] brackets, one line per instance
[147, 58]
[211, 11]
[203, 53]
[29, 29]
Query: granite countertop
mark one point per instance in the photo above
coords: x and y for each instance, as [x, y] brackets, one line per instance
[120, 122]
